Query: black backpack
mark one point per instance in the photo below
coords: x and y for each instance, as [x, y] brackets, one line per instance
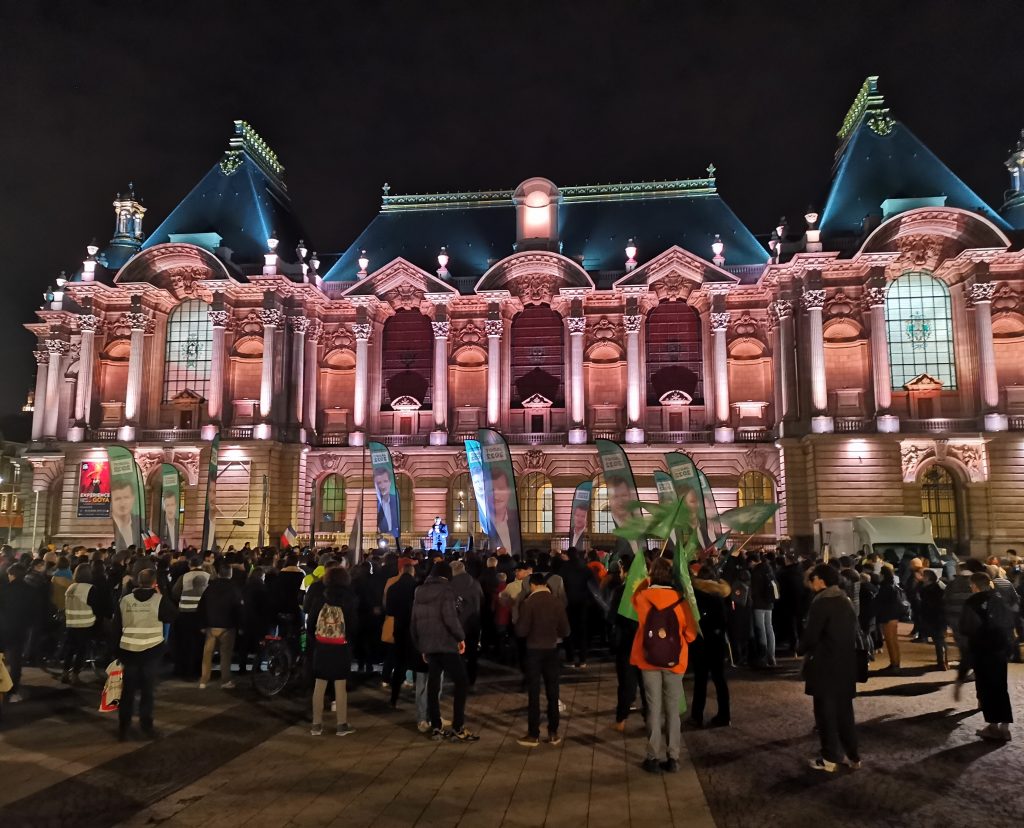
[663, 640]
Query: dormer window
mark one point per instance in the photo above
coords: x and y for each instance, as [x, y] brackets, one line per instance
[536, 203]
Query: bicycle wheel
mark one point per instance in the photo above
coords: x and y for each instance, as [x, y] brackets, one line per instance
[273, 667]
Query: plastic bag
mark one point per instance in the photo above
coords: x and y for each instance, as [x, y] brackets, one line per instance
[110, 700]
[6, 683]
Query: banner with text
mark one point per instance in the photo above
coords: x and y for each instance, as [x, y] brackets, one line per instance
[579, 518]
[475, 462]
[170, 505]
[126, 498]
[389, 513]
[500, 493]
[94, 489]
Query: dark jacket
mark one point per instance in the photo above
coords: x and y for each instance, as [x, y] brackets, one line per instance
[341, 596]
[956, 595]
[468, 596]
[221, 605]
[257, 610]
[577, 578]
[762, 593]
[888, 604]
[21, 606]
[286, 589]
[933, 607]
[829, 645]
[542, 620]
[984, 623]
[398, 603]
[435, 624]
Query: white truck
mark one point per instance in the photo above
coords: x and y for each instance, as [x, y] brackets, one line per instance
[893, 537]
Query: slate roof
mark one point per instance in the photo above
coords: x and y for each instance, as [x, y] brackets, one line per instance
[880, 159]
[595, 223]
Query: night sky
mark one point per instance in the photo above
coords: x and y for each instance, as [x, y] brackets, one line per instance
[445, 96]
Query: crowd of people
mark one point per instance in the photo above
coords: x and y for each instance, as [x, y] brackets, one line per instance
[414, 620]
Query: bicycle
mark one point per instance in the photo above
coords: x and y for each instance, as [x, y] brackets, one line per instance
[280, 658]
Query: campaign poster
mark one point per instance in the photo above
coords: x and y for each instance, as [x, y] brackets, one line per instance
[126, 504]
[579, 518]
[475, 462]
[500, 492]
[686, 481]
[170, 505]
[618, 480]
[94, 489]
[389, 515]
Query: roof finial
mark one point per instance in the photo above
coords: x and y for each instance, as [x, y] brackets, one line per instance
[711, 170]
[386, 189]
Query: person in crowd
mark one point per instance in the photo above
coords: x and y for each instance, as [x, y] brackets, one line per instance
[789, 611]
[20, 606]
[438, 635]
[332, 618]
[187, 634]
[828, 647]
[542, 622]
[932, 609]
[84, 605]
[220, 615]
[469, 596]
[1011, 600]
[984, 625]
[257, 616]
[957, 592]
[764, 592]
[577, 578]
[489, 584]
[889, 609]
[622, 633]
[665, 626]
[709, 650]
[398, 605]
[139, 625]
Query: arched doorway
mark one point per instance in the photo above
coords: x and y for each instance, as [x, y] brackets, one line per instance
[942, 503]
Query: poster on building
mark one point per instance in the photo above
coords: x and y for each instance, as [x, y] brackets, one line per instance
[94, 489]
[618, 480]
[209, 514]
[389, 513]
[500, 493]
[714, 525]
[475, 462]
[686, 481]
[170, 505]
[579, 518]
[126, 503]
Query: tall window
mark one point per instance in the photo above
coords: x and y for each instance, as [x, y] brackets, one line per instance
[756, 487]
[536, 504]
[919, 324]
[938, 502]
[674, 356]
[601, 521]
[187, 358]
[463, 517]
[332, 504]
[404, 485]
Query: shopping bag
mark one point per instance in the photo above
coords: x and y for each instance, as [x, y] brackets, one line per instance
[111, 697]
[6, 683]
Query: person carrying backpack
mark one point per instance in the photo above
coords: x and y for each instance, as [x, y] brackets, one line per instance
[333, 616]
[665, 628]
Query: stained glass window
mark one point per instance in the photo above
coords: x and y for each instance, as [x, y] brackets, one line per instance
[332, 504]
[187, 357]
[757, 487]
[601, 521]
[536, 504]
[938, 502]
[919, 324]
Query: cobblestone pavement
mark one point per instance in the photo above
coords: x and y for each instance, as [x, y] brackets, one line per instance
[226, 759]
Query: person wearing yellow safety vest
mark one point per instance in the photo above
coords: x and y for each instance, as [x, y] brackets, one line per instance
[83, 606]
[187, 637]
[140, 626]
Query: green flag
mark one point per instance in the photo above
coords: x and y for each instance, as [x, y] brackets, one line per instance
[750, 518]
[684, 537]
[637, 573]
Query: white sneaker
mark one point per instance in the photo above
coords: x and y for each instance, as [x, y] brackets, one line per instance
[822, 764]
[14, 698]
[423, 727]
[202, 686]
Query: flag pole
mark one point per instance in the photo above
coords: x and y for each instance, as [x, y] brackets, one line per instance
[362, 504]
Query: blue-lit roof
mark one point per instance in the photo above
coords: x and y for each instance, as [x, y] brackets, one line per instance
[243, 200]
[882, 159]
[594, 225]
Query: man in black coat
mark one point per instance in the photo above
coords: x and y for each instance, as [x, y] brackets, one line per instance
[398, 604]
[220, 613]
[829, 648]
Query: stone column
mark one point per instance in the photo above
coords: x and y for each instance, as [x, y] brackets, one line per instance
[494, 328]
[362, 335]
[885, 421]
[720, 331]
[272, 319]
[981, 296]
[215, 389]
[634, 383]
[578, 417]
[782, 310]
[300, 325]
[439, 436]
[87, 324]
[39, 400]
[312, 376]
[133, 395]
[814, 302]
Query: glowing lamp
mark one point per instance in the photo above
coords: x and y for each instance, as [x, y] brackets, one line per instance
[717, 246]
[442, 258]
[811, 217]
[364, 262]
[772, 244]
[302, 250]
[272, 243]
[631, 250]
[61, 280]
[314, 262]
[780, 231]
[92, 249]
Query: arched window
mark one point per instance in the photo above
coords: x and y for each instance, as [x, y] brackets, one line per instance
[919, 324]
[538, 356]
[938, 503]
[601, 521]
[536, 504]
[404, 485]
[332, 504]
[406, 358]
[756, 487]
[463, 518]
[674, 355]
[187, 357]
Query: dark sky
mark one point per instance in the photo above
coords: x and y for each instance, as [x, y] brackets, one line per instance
[438, 96]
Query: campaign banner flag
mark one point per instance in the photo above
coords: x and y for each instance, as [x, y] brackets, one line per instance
[264, 505]
[209, 516]
[389, 516]
[500, 492]
[579, 517]
[94, 489]
[170, 505]
[686, 481]
[714, 525]
[637, 573]
[126, 500]
[475, 462]
[618, 480]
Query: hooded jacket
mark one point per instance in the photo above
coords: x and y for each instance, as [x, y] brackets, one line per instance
[435, 626]
[829, 646]
[646, 597]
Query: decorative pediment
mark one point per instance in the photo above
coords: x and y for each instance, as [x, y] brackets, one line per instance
[179, 268]
[675, 397]
[188, 397]
[250, 325]
[537, 401]
[534, 276]
[469, 334]
[340, 339]
[401, 285]
[674, 274]
[406, 403]
[923, 382]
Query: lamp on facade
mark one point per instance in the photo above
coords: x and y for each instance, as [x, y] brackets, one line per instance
[314, 268]
[813, 233]
[780, 230]
[630, 255]
[272, 242]
[270, 258]
[89, 263]
[364, 262]
[442, 260]
[717, 247]
[301, 250]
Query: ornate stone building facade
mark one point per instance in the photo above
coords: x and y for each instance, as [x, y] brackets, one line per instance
[866, 360]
